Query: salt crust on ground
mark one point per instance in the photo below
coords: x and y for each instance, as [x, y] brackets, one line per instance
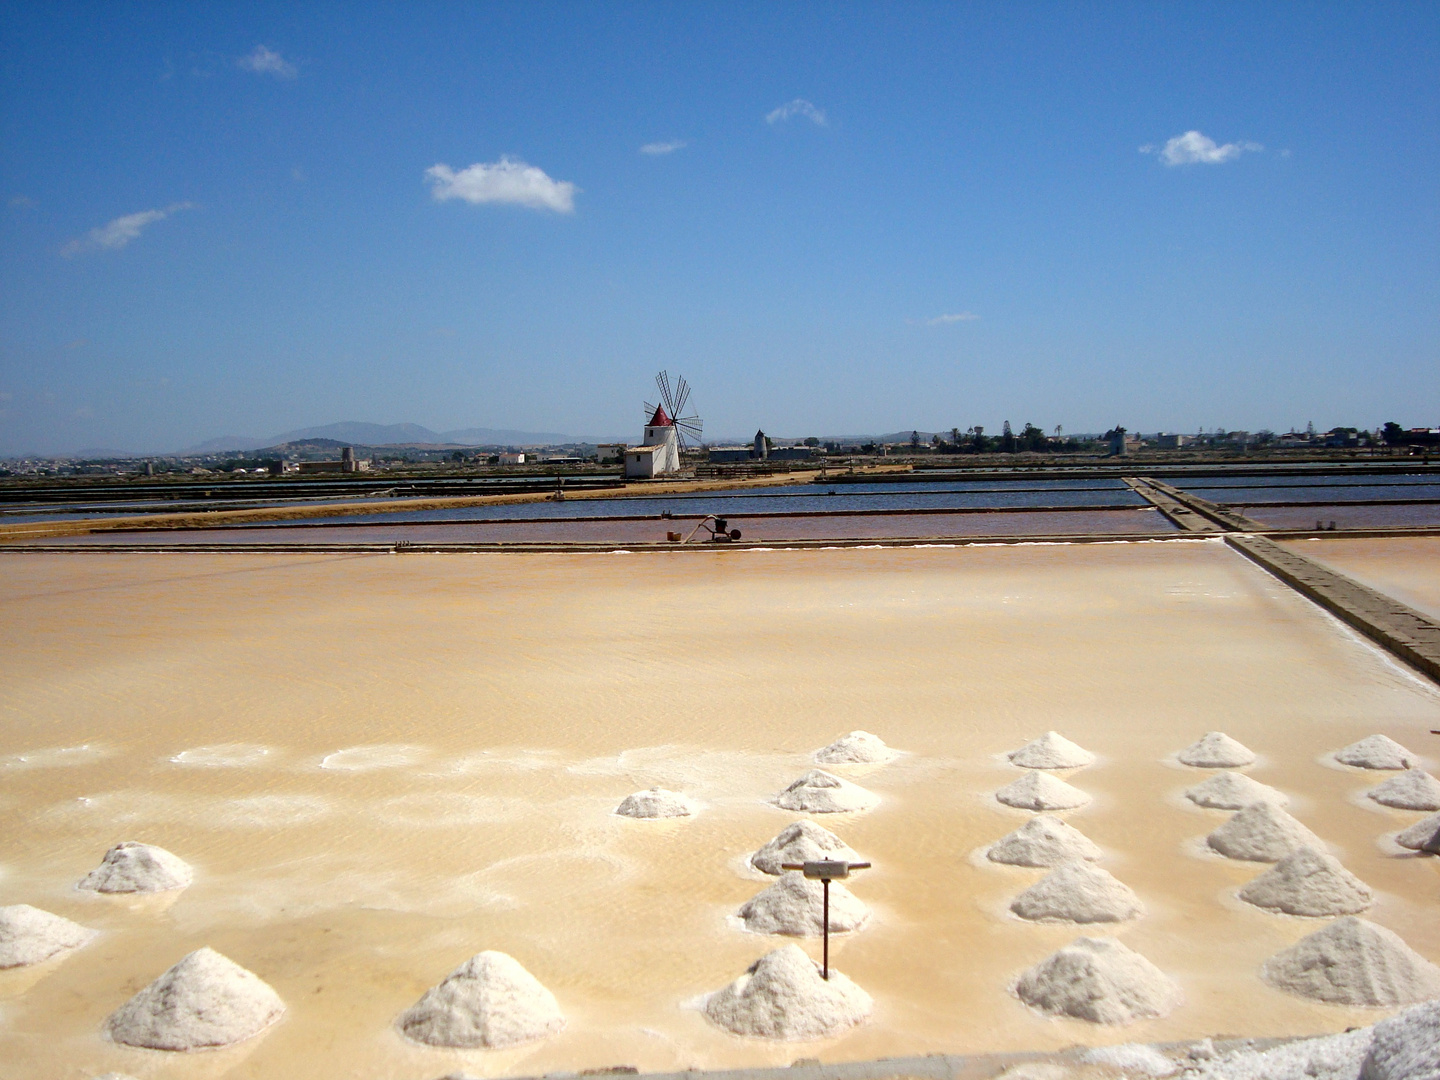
[1309, 882]
[1043, 841]
[1132, 1058]
[1424, 835]
[801, 841]
[1414, 789]
[138, 868]
[1041, 791]
[1100, 980]
[29, 935]
[1216, 750]
[488, 1001]
[655, 803]
[1377, 752]
[1051, 751]
[782, 996]
[820, 792]
[857, 748]
[1080, 893]
[795, 906]
[204, 1001]
[1353, 962]
[1233, 791]
[1262, 833]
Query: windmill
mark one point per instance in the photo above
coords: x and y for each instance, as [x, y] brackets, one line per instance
[671, 410]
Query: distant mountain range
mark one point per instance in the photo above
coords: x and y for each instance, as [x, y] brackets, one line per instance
[362, 434]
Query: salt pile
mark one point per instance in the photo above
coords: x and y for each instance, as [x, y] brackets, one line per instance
[857, 748]
[1233, 791]
[795, 906]
[29, 935]
[1041, 791]
[204, 1001]
[1309, 882]
[1080, 893]
[782, 996]
[1377, 752]
[1216, 750]
[1051, 751]
[1354, 962]
[1100, 980]
[1424, 835]
[820, 792]
[655, 803]
[1414, 789]
[1262, 833]
[137, 868]
[488, 1001]
[1043, 841]
[802, 841]
[1407, 1046]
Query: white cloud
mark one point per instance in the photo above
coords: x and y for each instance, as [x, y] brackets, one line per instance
[798, 107]
[116, 234]
[657, 148]
[945, 320]
[506, 181]
[1193, 148]
[263, 61]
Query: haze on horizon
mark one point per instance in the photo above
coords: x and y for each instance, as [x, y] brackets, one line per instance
[245, 219]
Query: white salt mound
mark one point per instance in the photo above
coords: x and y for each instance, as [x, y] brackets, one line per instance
[1078, 892]
[1414, 789]
[1406, 1047]
[1043, 841]
[1353, 962]
[1216, 750]
[29, 935]
[204, 1001]
[488, 1001]
[1132, 1058]
[1100, 980]
[1309, 882]
[655, 803]
[820, 792]
[857, 748]
[795, 906]
[1377, 752]
[1424, 835]
[1041, 791]
[1051, 751]
[782, 996]
[802, 841]
[1233, 791]
[138, 868]
[1262, 833]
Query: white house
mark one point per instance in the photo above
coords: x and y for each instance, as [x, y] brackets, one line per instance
[660, 452]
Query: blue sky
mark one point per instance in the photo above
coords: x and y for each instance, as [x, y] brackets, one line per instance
[244, 219]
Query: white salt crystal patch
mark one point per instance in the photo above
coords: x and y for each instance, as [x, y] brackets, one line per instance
[1233, 791]
[55, 757]
[1377, 752]
[1132, 1058]
[132, 867]
[1100, 980]
[655, 803]
[1216, 750]
[820, 792]
[204, 1001]
[488, 1001]
[1309, 882]
[1035, 1070]
[364, 758]
[857, 748]
[1043, 841]
[1406, 1047]
[794, 906]
[29, 935]
[1262, 833]
[1413, 789]
[1051, 751]
[1332, 1057]
[782, 996]
[1353, 962]
[1041, 791]
[1424, 835]
[226, 756]
[1080, 893]
[801, 841]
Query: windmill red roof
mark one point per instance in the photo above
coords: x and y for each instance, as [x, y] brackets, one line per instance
[661, 418]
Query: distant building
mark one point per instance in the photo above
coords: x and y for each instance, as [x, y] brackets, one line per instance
[1166, 441]
[517, 458]
[347, 464]
[660, 452]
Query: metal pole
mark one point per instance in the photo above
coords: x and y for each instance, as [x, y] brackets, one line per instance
[825, 932]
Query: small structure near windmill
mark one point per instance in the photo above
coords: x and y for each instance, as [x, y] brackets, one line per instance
[667, 432]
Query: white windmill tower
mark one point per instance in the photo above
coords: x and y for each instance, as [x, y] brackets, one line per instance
[667, 431]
